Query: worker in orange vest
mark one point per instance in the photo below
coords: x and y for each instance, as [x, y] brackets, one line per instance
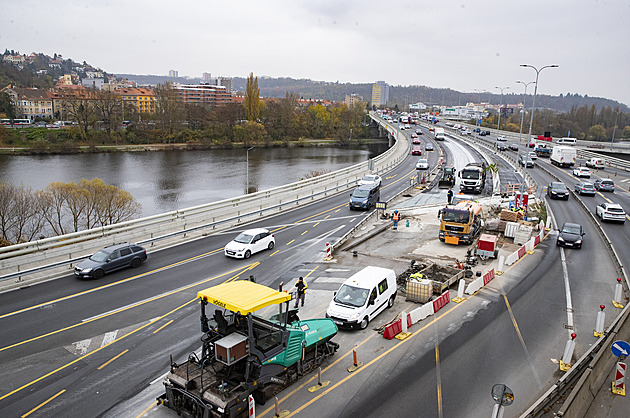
[396, 218]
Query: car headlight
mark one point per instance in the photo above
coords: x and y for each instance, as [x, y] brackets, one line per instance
[578, 241]
[355, 316]
[560, 239]
[87, 270]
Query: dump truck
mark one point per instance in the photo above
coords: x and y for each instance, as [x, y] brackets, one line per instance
[245, 354]
[542, 150]
[460, 223]
[448, 178]
[473, 178]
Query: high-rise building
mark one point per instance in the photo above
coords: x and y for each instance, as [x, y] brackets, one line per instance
[225, 82]
[206, 77]
[380, 93]
[173, 73]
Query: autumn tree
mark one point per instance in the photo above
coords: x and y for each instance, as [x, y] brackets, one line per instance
[169, 109]
[81, 107]
[108, 107]
[252, 98]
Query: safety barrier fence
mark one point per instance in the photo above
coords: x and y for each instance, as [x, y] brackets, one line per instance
[53, 255]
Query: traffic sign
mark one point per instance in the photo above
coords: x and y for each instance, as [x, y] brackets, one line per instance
[620, 348]
[502, 395]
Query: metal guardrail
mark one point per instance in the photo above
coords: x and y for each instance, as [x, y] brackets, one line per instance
[20, 260]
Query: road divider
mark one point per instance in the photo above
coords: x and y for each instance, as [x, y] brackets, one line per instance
[395, 328]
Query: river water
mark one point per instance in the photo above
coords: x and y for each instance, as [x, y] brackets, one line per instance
[162, 181]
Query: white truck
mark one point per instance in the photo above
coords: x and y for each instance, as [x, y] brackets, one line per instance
[563, 156]
[438, 134]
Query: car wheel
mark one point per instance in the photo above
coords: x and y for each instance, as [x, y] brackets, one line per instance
[248, 254]
[364, 323]
[270, 246]
[98, 274]
[390, 302]
[135, 263]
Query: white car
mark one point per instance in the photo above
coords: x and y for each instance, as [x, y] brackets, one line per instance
[610, 212]
[250, 242]
[501, 138]
[582, 172]
[422, 164]
[371, 180]
[532, 155]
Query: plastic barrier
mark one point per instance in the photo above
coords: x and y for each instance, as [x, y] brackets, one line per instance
[474, 286]
[536, 240]
[488, 276]
[395, 328]
[521, 252]
[529, 246]
[441, 301]
[422, 312]
[512, 258]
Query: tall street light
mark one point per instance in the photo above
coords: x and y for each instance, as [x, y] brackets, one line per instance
[500, 104]
[531, 120]
[523, 109]
[614, 129]
[247, 169]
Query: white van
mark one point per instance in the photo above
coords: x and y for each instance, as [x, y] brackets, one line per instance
[595, 162]
[363, 296]
[567, 141]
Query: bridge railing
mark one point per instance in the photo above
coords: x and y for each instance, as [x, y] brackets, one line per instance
[37, 258]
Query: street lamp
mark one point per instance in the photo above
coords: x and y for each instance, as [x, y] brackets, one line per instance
[247, 169]
[500, 104]
[523, 109]
[531, 120]
[614, 129]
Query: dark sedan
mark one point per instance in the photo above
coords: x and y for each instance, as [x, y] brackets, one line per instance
[570, 235]
[557, 190]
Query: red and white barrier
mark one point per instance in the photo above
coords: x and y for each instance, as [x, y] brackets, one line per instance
[619, 385]
[328, 252]
[418, 314]
[599, 322]
[252, 407]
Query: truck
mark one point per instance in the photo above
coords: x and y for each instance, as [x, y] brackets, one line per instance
[563, 156]
[245, 354]
[460, 223]
[546, 137]
[438, 134]
[542, 150]
[473, 178]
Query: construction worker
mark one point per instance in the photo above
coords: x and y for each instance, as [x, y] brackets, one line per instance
[449, 195]
[301, 287]
[396, 218]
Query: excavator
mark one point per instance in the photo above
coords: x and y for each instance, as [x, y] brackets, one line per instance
[448, 178]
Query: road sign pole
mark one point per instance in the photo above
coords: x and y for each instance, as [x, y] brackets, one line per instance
[497, 411]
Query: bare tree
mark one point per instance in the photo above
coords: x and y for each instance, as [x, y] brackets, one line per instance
[169, 109]
[81, 107]
[116, 205]
[108, 107]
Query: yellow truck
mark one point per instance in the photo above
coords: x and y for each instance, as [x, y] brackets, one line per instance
[460, 223]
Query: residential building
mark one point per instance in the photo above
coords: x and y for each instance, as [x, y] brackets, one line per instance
[203, 94]
[380, 93]
[142, 99]
[94, 83]
[14, 59]
[30, 103]
[173, 73]
[206, 77]
[352, 99]
[114, 85]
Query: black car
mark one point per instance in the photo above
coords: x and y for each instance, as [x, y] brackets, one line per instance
[112, 258]
[513, 147]
[557, 190]
[570, 235]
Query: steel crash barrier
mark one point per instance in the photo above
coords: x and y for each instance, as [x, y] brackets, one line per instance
[56, 254]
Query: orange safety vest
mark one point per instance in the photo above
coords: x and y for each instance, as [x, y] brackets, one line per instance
[396, 217]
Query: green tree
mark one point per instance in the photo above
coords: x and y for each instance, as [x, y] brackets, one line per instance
[625, 133]
[596, 132]
[252, 98]
[6, 106]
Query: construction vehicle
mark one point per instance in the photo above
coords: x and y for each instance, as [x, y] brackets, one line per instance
[460, 223]
[243, 353]
[448, 178]
[542, 150]
[473, 178]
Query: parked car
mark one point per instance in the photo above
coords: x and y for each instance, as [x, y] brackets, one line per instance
[557, 190]
[582, 172]
[501, 138]
[428, 146]
[422, 164]
[416, 150]
[610, 212]
[525, 160]
[370, 180]
[532, 155]
[570, 235]
[501, 147]
[585, 188]
[605, 185]
[109, 259]
[513, 147]
[250, 242]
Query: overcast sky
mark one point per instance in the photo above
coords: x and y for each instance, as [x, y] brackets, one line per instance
[463, 45]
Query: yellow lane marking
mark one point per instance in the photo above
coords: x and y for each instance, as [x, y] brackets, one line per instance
[57, 370]
[274, 253]
[338, 210]
[290, 242]
[163, 326]
[317, 224]
[127, 308]
[154, 403]
[304, 232]
[110, 284]
[310, 272]
[43, 403]
[327, 216]
[112, 359]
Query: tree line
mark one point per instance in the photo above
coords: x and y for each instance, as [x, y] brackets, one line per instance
[61, 208]
[581, 122]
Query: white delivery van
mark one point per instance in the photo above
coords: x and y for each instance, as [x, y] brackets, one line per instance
[595, 162]
[438, 134]
[363, 296]
[567, 141]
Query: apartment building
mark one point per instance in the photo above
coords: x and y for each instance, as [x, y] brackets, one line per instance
[203, 94]
[30, 103]
[142, 99]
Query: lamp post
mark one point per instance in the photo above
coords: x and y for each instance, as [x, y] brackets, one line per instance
[614, 129]
[247, 169]
[531, 120]
[500, 104]
[523, 109]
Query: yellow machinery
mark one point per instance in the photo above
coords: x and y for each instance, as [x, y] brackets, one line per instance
[460, 223]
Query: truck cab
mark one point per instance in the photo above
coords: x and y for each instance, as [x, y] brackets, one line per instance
[460, 223]
[473, 178]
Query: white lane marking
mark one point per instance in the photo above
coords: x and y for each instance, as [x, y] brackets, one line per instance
[158, 379]
[109, 337]
[567, 286]
[82, 347]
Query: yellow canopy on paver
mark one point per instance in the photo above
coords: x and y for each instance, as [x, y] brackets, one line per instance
[243, 296]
